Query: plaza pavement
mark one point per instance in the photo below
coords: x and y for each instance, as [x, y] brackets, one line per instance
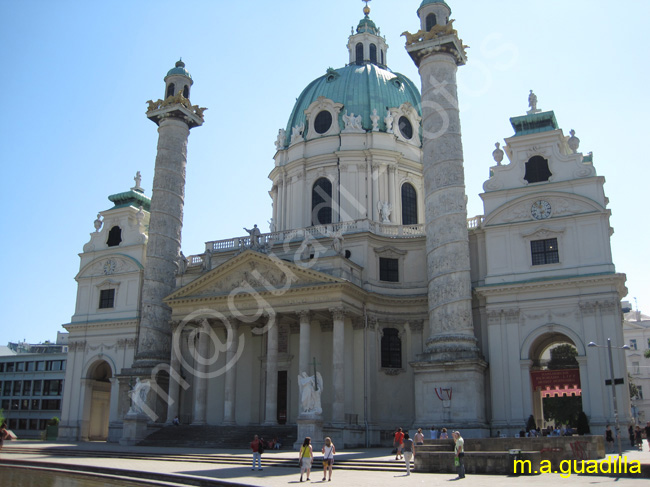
[187, 466]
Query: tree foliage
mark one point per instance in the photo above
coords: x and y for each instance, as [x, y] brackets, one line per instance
[634, 390]
[563, 357]
[646, 354]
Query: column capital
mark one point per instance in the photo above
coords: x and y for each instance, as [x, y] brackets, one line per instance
[304, 315]
[338, 314]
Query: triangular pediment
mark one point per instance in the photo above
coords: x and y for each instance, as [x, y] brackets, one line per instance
[253, 271]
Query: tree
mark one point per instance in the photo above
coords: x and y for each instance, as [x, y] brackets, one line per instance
[634, 390]
[563, 357]
[646, 354]
[583, 424]
[2, 416]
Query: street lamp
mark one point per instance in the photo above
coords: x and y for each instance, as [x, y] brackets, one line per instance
[611, 373]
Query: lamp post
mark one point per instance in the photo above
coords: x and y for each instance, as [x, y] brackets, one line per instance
[613, 384]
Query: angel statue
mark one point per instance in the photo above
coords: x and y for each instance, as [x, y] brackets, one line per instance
[139, 395]
[310, 391]
[385, 209]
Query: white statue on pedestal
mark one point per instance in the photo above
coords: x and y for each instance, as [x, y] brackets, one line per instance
[139, 395]
[310, 391]
[385, 209]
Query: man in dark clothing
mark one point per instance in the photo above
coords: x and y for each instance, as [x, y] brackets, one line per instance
[647, 433]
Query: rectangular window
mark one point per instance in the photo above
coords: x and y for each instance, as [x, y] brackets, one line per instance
[56, 365]
[20, 366]
[42, 424]
[51, 404]
[40, 366]
[388, 270]
[33, 424]
[640, 389]
[5, 404]
[635, 368]
[24, 404]
[36, 404]
[22, 424]
[633, 344]
[2, 366]
[545, 251]
[15, 404]
[37, 387]
[13, 424]
[10, 366]
[7, 388]
[106, 298]
[29, 366]
[27, 388]
[17, 387]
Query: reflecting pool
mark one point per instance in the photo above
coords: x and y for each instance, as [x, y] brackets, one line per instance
[30, 477]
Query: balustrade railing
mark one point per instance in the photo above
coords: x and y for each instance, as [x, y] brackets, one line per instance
[266, 240]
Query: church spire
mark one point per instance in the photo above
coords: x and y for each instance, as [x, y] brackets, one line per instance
[366, 46]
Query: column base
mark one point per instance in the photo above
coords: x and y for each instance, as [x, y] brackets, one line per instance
[451, 393]
[134, 429]
[311, 426]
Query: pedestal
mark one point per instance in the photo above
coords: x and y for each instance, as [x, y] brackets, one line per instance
[134, 428]
[312, 426]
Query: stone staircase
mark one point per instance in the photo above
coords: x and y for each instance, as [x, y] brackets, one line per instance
[219, 437]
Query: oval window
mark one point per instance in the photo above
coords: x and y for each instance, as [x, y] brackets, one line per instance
[405, 128]
[323, 122]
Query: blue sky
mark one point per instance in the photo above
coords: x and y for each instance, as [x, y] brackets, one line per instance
[76, 76]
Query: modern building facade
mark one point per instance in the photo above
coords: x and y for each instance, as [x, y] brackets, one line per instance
[32, 382]
[636, 329]
[372, 276]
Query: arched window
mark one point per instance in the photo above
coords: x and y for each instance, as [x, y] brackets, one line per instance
[186, 91]
[114, 237]
[373, 53]
[391, 349]
[170, 90]
[409, 205]
[537, 170]
[321, 202]
[359, 53]
[382, 57]
[431, 21]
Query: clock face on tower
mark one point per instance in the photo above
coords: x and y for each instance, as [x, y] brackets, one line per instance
[540, 210]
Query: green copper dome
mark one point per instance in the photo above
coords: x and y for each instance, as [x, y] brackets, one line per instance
[367, 25]
[360, 88]
[179, 69]
[427, 2]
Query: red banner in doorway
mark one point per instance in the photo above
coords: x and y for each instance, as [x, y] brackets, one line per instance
[552, 379]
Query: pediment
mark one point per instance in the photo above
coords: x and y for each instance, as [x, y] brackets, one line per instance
[562, 204]
[253, 271]
[109, 265]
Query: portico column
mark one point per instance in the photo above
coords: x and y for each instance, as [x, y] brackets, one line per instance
[174, 376]
[305, 338]
[272, 376]
[230, 394]
[338, 364]
[201, 380]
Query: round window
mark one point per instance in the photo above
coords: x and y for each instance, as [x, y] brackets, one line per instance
[323, 122]
[406, 128]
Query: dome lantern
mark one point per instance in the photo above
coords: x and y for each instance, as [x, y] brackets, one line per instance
[366, 46]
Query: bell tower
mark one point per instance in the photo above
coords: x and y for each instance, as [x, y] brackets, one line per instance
[452, 361]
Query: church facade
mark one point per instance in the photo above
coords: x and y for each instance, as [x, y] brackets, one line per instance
[372, 276]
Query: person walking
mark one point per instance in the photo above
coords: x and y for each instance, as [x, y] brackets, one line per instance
[306, 457]
[647, 433]
[4, 434]
[328, 458]
[638, 437]
[609, 438]
[409, 452]
[398, 443]
[459, 449]
[630, 432]
[258, 448]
